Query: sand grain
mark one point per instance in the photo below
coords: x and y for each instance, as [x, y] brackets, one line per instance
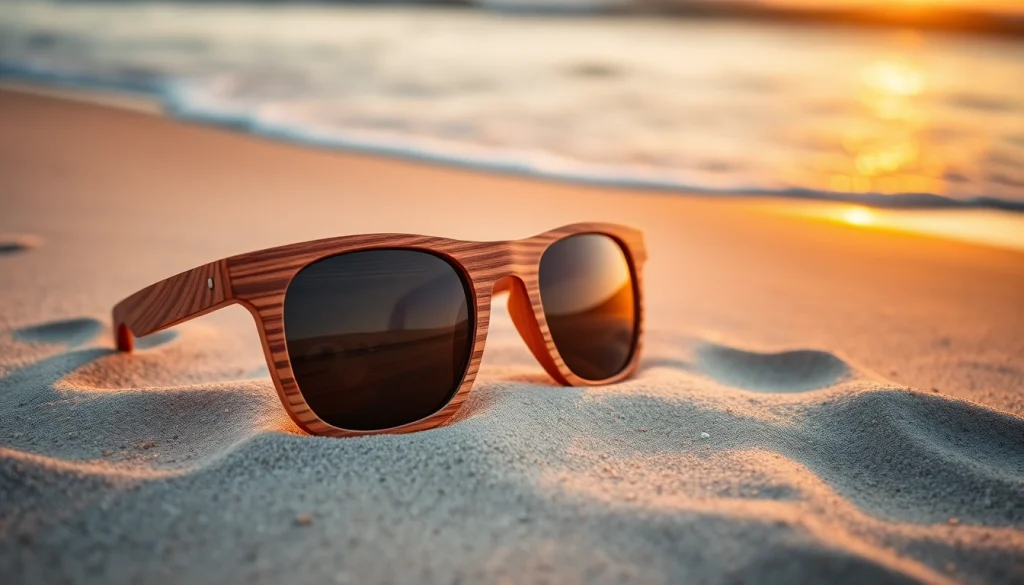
[757, 444]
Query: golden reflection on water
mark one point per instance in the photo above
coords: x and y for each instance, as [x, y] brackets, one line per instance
[883, 150]
[978, 226]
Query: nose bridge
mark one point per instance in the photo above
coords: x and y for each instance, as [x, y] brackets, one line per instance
[519, 262]
[520, 281]
[523, 259]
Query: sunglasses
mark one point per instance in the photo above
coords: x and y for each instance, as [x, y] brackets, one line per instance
[385, 332]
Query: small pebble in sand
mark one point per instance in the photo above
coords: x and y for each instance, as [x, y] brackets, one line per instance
[705, 435]
[148, 444]
[954, 521]
[303, 520]
[935, 390]
[642, 430]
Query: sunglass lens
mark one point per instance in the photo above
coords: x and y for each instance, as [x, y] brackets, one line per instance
[378, 338]
[587, 290]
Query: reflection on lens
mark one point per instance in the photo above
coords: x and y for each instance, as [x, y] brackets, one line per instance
[586, 288]
[378, 338]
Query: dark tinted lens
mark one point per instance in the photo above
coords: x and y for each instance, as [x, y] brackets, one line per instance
[586, 287]
[379, 338]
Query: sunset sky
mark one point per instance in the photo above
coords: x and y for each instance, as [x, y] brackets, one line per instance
[1014, 7]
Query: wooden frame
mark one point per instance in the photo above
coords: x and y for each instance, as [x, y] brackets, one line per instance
[258, 281]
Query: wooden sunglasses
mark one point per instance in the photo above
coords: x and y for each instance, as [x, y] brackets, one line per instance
[575, 297]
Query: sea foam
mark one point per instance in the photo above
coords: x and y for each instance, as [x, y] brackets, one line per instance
[714, 109]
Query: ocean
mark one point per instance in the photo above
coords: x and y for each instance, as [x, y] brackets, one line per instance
[884, 116]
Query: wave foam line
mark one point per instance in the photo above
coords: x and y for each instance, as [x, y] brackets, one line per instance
[186, 101]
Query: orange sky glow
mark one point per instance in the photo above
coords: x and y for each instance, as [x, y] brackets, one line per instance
[1009, 7]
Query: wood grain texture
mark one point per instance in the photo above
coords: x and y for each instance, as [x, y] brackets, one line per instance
[259, 280]
[171, 301]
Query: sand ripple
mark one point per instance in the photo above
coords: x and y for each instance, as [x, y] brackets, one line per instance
[72, 332]
[716, 460]
[14, 244]
[786, 371]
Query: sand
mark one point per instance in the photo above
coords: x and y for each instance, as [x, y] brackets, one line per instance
[818, 402]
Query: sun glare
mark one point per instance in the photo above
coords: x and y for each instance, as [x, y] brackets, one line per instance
[858, 216]
[894, 78]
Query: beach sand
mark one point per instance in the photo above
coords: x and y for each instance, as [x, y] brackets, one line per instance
[817, 402]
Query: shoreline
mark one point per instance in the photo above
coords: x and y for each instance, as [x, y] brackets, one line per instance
[231, 163]
[1001, 228]
[107, 98]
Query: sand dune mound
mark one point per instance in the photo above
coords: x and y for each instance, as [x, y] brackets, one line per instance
[917, 457]
[529, 457]
[727, 442]
[72, 332]
[798, 370]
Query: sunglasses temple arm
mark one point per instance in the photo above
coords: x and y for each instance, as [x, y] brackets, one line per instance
[170, 302]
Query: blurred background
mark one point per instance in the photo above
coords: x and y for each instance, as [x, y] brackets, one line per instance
[906, 103]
